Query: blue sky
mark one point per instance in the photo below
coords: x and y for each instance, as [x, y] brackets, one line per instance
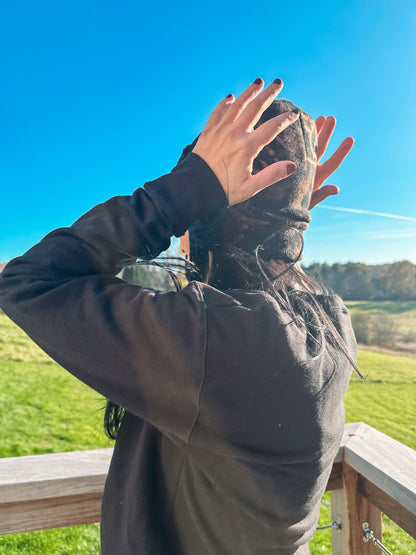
[98, 97]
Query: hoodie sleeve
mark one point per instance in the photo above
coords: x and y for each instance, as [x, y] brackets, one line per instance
[141, 349]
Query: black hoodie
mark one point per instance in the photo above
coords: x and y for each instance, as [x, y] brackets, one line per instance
[233, 418]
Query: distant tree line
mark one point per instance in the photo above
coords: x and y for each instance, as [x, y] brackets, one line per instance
[147, 276]
[156, 277]
[352, 281]
[355, 281]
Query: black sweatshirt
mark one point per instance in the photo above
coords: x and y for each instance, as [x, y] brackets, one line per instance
[233, 416]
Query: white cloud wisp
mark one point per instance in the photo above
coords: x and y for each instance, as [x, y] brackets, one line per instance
[368, 212]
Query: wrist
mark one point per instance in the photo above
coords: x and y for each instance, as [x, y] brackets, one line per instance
[190, 193]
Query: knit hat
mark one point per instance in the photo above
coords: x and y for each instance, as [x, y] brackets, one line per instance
[273, 220]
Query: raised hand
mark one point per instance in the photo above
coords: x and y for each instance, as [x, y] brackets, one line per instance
[229, 143]
[325, 127]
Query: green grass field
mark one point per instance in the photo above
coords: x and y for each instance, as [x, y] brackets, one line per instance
[401, 308]
[43, 409]
[403, 312]
[386, 401]
[397, 320]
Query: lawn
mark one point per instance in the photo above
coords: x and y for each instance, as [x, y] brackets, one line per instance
[390, 324]
[43, 409]
[400, 308]
[386, 401]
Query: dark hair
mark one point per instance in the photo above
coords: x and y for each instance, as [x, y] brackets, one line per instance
[233, 268]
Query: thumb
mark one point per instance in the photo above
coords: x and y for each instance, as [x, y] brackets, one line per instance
[263, 179]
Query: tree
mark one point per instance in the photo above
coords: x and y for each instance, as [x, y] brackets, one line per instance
[357, 281]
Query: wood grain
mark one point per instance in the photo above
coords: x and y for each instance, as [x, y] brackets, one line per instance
[71, 510]
[349, 506]
[49, 491]
[388, 506]
[56, 475]
[385, 463]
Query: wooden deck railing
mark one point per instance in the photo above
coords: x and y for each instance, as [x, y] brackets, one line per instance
[372, 473]
[50, 491]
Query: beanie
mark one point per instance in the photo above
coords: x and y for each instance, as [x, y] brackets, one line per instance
[273, 221]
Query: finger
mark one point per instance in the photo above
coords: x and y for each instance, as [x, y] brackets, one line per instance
[265, 133]
[320, 123]
[256, 107]
[327, 168]
[325, 134]
[322, 194]
[270, 175]
[219, 111]
[241, 101]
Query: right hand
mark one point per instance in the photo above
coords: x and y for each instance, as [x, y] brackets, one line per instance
[229, 144]
[325, 127]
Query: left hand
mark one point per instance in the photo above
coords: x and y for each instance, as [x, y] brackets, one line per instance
[325, 127]
[229, 143]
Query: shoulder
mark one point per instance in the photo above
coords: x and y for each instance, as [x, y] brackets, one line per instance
[254, 329]
[243, 325]
[257, 319]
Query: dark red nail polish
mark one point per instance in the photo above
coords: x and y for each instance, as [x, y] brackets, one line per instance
[291, 169]
[229, 95]
[295, 111]
[277, 81]
[257, 81]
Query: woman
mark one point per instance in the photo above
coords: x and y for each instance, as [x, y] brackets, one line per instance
[233, 388]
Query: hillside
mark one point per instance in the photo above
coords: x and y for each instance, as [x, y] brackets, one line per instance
[362, 282]
[385, 325]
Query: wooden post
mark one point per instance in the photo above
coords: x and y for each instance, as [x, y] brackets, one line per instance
[353, 510]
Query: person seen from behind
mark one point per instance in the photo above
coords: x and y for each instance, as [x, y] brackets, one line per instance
[225, 397]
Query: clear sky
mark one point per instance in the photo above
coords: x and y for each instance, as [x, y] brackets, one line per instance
[98, 97]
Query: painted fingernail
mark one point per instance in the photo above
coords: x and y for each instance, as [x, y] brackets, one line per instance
[291, 169]
[257, 81]
[229, 95]
[295, 111]
[277, 81]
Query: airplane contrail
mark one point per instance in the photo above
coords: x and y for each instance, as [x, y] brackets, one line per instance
[359, 211]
